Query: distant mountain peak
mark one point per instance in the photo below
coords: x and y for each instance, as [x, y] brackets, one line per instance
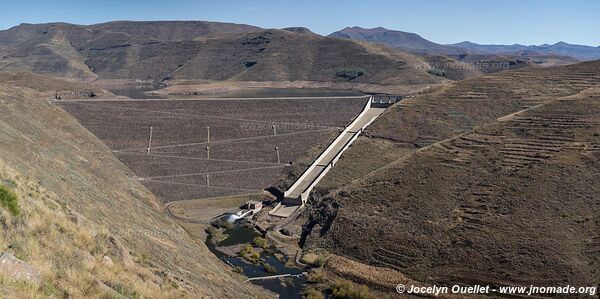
[303, 30]
[405, 41]
[358, 28]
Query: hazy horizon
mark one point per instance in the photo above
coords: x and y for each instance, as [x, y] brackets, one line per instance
[506, 23]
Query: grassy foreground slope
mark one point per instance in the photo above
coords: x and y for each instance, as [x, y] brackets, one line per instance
[463, 189]
[86, 225]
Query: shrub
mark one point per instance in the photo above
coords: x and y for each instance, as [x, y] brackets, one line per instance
[350, 73]
[286, 282]
[268, 268]
[9, 200]
[211, 231]
[311, 293]
[345, 289]
[320, 261]
[437, 72]
[261, 242]
[222, 223]
[313, 259]
[249, 254]
[49, 289]
[315, 277]
[238, 270]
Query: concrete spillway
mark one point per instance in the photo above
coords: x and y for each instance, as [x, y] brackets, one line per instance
[297, 195]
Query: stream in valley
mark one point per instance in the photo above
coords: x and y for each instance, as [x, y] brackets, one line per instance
[287, 288]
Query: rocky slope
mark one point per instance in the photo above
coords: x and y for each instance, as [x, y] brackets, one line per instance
[86, 224]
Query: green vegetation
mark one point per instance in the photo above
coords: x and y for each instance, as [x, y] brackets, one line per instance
[250, 254]
[261, 242]
[315, 277]
[142, 259]
[238, 270]
[215, 235]
[211, 231]
[437, 72]
[9, 200]
[49, 289]
[346, 289]
[314, 259]
[286, 282]
[268, 268]
[350, 73]
[312, 293]
[320, 261]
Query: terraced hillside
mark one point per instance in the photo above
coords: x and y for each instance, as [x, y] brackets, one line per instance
[467, 184]
[86, 225]
[455, 109]
[459, 107]
[247, 137]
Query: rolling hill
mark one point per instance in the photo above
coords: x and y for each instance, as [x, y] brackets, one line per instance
[405, 41]
[155, 51]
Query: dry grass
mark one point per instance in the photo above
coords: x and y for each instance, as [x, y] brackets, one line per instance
[490, 194]
[384, 279]
[94, 208]
[70, 252]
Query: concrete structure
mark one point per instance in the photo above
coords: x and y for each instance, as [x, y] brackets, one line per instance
[297, 195]
[254, 205]
[250, 208]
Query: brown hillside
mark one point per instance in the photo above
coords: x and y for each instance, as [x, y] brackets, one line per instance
[277, 55]
[487, 204]
[81, 204]
[405, 41]
[156, 51]
[62, 49]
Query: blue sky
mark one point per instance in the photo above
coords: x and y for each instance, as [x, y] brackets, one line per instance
[500, 22]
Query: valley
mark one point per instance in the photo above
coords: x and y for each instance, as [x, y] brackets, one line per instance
[201, 159]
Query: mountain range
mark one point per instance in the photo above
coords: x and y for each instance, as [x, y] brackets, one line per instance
[165, 50]
[561, 48]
